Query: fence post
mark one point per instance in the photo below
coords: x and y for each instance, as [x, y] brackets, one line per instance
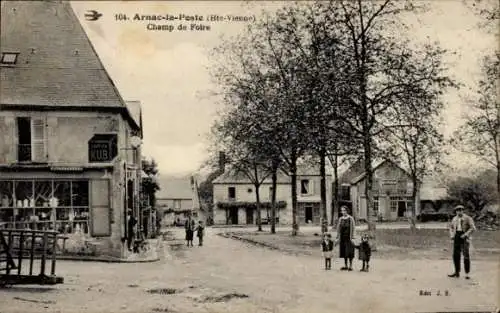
[32, 251]
[53, 265]
[44, 253]
[20, 256]
[9, 249]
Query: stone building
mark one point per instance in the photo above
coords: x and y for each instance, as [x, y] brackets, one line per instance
[69, 144]
[392, 188]
[234, 197]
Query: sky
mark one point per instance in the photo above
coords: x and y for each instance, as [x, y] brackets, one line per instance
[168, 70]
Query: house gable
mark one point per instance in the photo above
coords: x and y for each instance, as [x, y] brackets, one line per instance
[57, 66]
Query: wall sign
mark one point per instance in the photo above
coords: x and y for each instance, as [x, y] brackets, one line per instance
[103, 148]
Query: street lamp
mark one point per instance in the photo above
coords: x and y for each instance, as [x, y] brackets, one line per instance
[135, 142]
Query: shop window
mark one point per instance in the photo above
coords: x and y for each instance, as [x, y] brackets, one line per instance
[6, 194]
[45, 205]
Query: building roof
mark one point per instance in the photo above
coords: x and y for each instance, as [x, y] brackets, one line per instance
[356, 172]
[175, 188]
[57, 65]
[231, 176]
[135, 111]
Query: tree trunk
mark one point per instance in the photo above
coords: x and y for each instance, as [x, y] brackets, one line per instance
[274, 178]
[257, 207]
[369, 183]
[293, 173]
[413, 218]
[322, 169]
[335, 187]
[498, 173]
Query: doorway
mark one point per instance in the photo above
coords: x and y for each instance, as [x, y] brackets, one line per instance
[401, 208]
[308, 214]
[233, 216]
[249, 212]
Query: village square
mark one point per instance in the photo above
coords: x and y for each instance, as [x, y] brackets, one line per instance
[316, 156]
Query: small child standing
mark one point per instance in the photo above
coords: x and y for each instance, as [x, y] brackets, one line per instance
[365, 251]
[327, 250]
[200, 233]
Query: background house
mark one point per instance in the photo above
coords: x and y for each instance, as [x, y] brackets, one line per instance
[177, 198]
[69, 144]
[234, 198]
[392, 189]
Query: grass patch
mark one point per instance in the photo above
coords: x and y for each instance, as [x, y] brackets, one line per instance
[398, 243]
[432, 238]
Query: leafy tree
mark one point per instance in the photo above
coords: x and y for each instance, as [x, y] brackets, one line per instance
[474, 192]
[417, 139]
[247, 155]
[262, 84]
[150, 184]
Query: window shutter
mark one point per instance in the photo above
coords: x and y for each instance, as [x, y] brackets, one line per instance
[11, 135]
[39, 139]
[100, 208]
[311, 187]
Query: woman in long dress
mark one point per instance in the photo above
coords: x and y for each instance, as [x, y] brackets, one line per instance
[345, 236]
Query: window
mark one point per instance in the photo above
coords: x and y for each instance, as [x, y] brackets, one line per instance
[394, 203]
[375, 204]
[305, 187]
[9, 57]
[32, 136]
[345, 193]
[45, 205]
[231, 193]
[249, 190]
[271, 193]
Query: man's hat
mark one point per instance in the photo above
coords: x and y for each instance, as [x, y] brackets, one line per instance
[459, 208]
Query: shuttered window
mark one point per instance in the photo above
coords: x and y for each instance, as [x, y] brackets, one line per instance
[100, 208]
[38, 139]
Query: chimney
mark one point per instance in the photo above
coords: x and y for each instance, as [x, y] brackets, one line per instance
[222, 161]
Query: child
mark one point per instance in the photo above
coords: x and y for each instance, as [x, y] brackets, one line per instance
[327, 250]
[365, 252]
[199, 233]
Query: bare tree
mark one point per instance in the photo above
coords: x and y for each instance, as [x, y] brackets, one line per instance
[376, 60]
[480, 135]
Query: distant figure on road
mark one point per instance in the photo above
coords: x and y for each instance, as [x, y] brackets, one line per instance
[365, 251]
[461, 227]
[345, 236]
[327, 250]
[189, 226]
[200, 232]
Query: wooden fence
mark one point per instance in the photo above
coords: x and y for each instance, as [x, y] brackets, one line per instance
[26, 255]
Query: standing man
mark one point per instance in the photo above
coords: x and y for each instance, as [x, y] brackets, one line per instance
[131, 222]
[461, 228]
